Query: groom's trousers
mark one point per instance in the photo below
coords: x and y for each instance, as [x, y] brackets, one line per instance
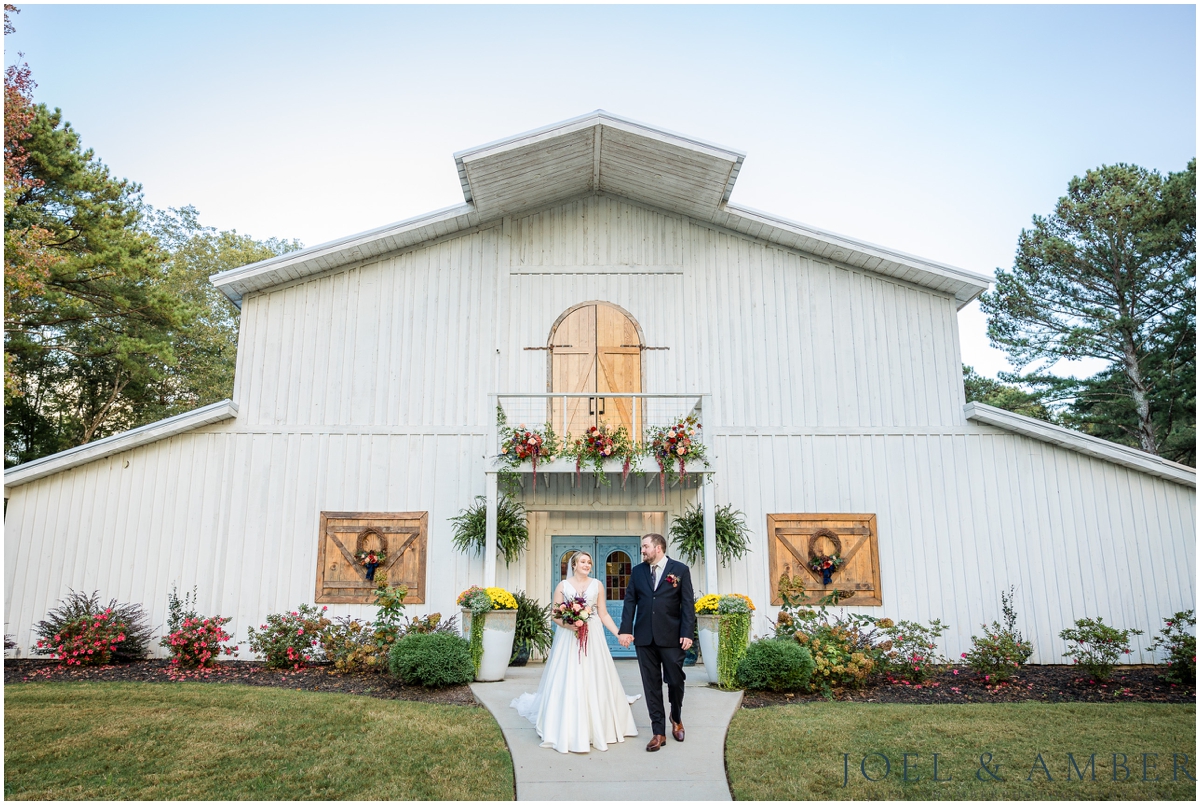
[656, 664]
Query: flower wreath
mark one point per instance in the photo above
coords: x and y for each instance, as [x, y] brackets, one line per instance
[825, 565]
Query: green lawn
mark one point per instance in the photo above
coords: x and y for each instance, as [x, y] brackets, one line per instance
[197, 741]
[803, 752]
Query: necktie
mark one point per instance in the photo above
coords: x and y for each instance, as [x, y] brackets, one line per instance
[653, 577]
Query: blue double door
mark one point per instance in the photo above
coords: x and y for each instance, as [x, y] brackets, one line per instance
[613, 559]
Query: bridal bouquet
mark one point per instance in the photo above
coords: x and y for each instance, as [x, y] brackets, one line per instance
[572, 611]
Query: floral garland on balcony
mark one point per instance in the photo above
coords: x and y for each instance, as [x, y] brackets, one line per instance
[600, 443]
[671, 444]
[521, 444]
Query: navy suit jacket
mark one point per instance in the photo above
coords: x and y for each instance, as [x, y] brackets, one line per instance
[660, 616]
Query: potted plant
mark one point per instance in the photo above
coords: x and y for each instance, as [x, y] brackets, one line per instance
[733, 537]
[723, 622]
[490, 619]
[533, 631]
[734, 611]
[706, 626]
[512, 530]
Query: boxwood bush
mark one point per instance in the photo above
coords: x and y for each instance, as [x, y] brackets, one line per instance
[433, 660]
[775, 664]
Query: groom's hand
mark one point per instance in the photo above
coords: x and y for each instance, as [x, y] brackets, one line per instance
[626, 640]
[685, 643]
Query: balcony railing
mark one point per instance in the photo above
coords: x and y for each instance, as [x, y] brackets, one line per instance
[570, 415]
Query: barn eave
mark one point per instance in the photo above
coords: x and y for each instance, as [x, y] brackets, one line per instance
[119, 443]
[1081, 443]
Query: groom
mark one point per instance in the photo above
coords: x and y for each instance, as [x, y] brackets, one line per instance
[660, 593]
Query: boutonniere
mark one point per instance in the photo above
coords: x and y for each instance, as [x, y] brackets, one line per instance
[672, 579]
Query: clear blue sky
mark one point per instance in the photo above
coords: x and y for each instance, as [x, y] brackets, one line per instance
[937, 130]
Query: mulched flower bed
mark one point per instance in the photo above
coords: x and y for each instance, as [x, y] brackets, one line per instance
[314, 678]
[1035, 683]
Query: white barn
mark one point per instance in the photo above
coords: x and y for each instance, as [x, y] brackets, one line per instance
[602, 257]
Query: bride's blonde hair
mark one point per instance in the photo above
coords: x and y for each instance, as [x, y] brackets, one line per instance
[578, 554]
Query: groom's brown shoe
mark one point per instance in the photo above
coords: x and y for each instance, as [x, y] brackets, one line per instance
[656, 743]
[677, 731]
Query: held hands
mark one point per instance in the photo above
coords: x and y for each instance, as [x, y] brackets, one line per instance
[626, 640]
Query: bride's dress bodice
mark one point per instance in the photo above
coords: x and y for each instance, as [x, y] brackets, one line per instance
[590, 594]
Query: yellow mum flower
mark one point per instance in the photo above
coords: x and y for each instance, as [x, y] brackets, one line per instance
[501, 598]
[707, 605]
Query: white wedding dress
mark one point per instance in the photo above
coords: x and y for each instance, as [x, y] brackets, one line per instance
[580, 702]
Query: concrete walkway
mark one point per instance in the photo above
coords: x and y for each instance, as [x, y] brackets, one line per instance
[694, 769]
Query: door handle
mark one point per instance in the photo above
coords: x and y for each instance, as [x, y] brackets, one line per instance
[601, 406]
[591, 406]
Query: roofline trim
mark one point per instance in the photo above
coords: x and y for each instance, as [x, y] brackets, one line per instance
[1081, 443]
[971, 278]
[119, 443]
[224, 279]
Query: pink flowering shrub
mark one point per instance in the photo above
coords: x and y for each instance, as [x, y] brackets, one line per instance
[997, 656]
[86, 641]
[1097, 647]
[197, 642]
[910, 650]
[291, 640]
[1180, 647]
[82, 631]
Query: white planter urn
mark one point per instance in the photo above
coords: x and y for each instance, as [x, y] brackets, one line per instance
[499, 629]
[707, 626]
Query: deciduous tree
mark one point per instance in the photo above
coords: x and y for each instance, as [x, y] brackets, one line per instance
[205, 347]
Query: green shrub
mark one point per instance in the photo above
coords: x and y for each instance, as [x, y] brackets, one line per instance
[347, 644]
[842, 651]
[1180, 646]
[1098, 647]
[775, 664]
[433, 660]
[1002, 650]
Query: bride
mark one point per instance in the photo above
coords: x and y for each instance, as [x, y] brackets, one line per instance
[580, 701]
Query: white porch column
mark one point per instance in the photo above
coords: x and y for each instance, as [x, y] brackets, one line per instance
[710, 536]
[489, 541]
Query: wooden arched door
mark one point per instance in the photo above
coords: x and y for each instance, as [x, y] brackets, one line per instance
[596, 349]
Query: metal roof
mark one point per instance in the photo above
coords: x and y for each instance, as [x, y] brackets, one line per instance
[600, 153]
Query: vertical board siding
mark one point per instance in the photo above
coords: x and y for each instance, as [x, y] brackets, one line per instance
[262, 558]
[404, 341]
[963, 516]
[834, 390]
[780, 339]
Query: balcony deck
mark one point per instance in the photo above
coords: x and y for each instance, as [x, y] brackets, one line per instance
[570, 416]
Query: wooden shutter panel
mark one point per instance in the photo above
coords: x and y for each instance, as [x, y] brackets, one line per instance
[342, 580]
[790, 536]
